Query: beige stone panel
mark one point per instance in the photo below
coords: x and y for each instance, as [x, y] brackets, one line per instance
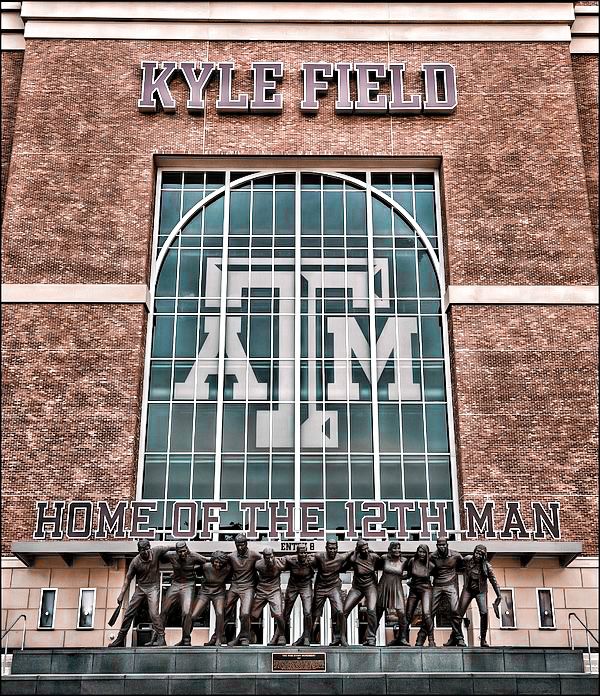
[200, 636]
[14, 638]
[526, 598]
[507, 562]
[591, 619]
[580, 640]
[581, 598]
[111, 633]
[50, 562]
[558, 597]
[6, 577]
[45, 639]
[98, 577]
[500, 576]
[550, 639]
[4, 614]
[561, 618]
[100, 619]
[100, 597]
[172, 635]
[116, 577]
[589, 577]
[30, 577]
[15, 598]
[35, 596]
[68, 598]
[544, 562]
[517, 638]
[524, 577]
[111, 597]
[527, 618]
[70, 577]
[89, 562]
[563, 577]
[84, 639]
[66, 619]
[31, 614]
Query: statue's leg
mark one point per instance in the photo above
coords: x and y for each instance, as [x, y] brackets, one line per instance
[337, 616]
[482, 605]
[186, 596]
[438, 593]
[463, 604]
[153, 596]
[170, 600]
[259, 601]
[451, 592]
[411, 607]
[372, 620]
[246, 599]
[291, 595]
[128, 616]
[230, 600]
[218, 603]
[352, 599]
[402, 624]
[317, 610]
[306, 597]
[276, 606]
[426, 603]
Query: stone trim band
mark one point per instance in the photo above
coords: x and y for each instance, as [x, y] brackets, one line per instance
[16, 293]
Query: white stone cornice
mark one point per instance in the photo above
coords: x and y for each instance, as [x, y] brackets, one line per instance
[74, 293]
[521, 294]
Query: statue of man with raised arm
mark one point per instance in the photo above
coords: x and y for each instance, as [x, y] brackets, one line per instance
[301, 567]
[145, 569]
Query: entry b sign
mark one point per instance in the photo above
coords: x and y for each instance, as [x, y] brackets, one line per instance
[440, 95]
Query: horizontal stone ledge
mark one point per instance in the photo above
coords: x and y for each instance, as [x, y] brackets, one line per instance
[75, 293]
[521, 294]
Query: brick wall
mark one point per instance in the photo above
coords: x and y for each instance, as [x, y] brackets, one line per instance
[10, 68]
[526, 408]
[71, 392]
[79, 210]
[585, 72]
[82, 172]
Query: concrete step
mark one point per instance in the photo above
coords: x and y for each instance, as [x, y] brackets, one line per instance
[442, 683]
[257, 660]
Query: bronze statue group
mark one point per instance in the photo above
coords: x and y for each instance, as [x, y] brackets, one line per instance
[254, 581]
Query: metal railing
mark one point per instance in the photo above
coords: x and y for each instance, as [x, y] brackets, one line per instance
[7, 631]
[588, 633]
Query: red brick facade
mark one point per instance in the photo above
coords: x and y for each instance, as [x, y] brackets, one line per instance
[79, 209]
[10, 66]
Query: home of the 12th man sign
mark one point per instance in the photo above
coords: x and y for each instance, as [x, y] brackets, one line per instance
[84, 519]
[440, 95]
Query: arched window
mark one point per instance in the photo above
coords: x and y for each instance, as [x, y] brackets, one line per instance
[297, 374]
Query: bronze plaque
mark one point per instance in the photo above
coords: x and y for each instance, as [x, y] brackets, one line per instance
[298, 662]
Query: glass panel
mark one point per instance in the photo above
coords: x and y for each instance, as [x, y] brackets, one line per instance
[437, 428]
[333, 212]
[361, 429]
[47, 609]
[362, 477]
[431, 328]
[170, 202]
[428, 285]
[203, 481]
[439, 478]
[86, 609]
[165, 287]
[160, 380]
[415, 478]
[179, 476]
[157, 428]
[213, 217]
[382, 219]
[257, 479]
[356, 213]
[282, 477]
[425, 212]
[239, 223]
[232, 476]
[181, 427]
[155, 473]
[412, 428]
[336, 477]
[406, 276]
[185, 340]
[389, 428]
[311, 477]
[284, 212]
[234, 428]
[311, 212]
[262, 213]
[391, 477]
[205, 432]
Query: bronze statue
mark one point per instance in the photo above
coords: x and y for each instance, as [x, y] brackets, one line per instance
[301, 567]
[390, 593]
[477, 572]
[328, 585]
[243, 582]
[145, 568]
[418, 569]
[447, 563]
[182, 589]
[365, 564]
[215, 572]
[268, 591]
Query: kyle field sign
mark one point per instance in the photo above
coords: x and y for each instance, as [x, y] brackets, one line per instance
[363, 80]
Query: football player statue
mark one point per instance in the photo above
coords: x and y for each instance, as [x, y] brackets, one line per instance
[328, 585]
[268, 591]
[215, 572]
[365, 564]
[477, 572]
[145, 569]
[301, 567]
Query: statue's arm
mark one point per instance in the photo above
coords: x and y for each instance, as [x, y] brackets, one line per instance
[128, 578]
[492, 579]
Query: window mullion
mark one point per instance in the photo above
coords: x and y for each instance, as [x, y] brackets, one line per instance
[222, 335]
[297, 337]
[373, 342]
